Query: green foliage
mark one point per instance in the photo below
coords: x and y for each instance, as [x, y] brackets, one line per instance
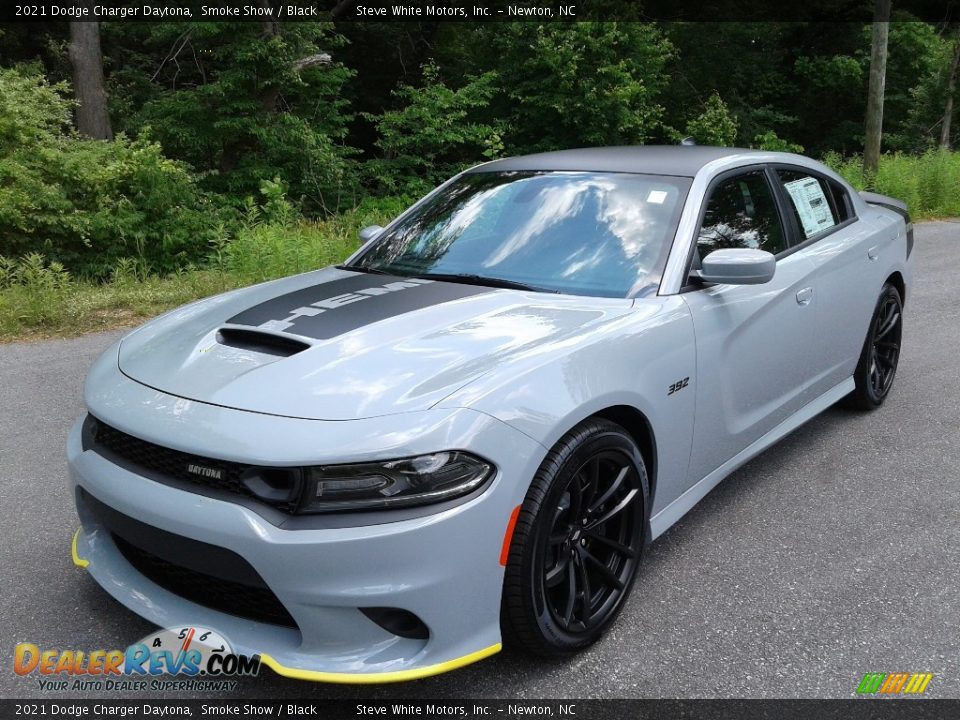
[771, 141]
[434, 133]
[925, 100]
[40, 297]
[85, 203]
[33, 292]
[830, 73]
[242, 110]
[715, 125]
[578, 84]
[273, 242]
[747, 64]
[32, 111]
[928, 183]
[230, 138]
[915, 89]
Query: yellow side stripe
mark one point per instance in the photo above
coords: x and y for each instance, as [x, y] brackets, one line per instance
[383, 677]
[77, 560]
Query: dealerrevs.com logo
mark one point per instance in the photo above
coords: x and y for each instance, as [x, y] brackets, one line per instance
[203, 656]
[894, 683]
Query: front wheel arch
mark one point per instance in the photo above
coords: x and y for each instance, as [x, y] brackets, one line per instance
[637, 425]
[522, 604]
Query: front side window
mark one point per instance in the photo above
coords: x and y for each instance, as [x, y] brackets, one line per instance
[809, 198]
[582, 233]
[742, 213]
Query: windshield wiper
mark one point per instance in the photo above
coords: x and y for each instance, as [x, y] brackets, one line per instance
[470, 279]
[361, 268]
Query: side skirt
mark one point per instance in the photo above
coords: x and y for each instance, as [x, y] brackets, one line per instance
[662, 521]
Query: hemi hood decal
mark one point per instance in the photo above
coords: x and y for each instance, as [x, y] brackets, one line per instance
[333, 308]
[381, 344]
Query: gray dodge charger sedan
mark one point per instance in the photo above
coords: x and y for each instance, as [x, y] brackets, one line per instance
[468, 433]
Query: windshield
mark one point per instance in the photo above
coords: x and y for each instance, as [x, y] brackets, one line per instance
[599, 234]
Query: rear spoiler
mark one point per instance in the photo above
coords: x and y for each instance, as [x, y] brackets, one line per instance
[898, 206]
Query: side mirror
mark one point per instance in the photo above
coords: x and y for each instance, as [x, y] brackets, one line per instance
[738, 266]
[370, 232]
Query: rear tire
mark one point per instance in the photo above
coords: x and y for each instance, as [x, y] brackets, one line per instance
[880, 355]
[577, 542]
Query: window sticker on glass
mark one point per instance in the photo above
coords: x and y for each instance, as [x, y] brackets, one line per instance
[657, 197]
[811, 204]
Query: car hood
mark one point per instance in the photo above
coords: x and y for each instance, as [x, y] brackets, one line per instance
[339, 345]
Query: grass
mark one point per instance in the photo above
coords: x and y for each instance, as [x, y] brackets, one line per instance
[40, 299]
[928, 183]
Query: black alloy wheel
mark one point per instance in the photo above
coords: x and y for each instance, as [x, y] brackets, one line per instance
[578, 541]
[880, 356]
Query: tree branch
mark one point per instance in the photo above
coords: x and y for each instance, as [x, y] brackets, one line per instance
[310, 61]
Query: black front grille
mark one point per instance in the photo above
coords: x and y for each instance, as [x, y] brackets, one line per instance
[206, 574]
[253, 603]
[171, 463]
[167, 463]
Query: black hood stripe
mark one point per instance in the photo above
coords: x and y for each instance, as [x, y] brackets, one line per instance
[333, 308]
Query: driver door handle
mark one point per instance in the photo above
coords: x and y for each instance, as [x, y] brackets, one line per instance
[804, 296]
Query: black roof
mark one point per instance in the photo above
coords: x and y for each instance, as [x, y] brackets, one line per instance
[680, 160]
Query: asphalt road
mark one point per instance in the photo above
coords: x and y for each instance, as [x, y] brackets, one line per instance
[833, 554]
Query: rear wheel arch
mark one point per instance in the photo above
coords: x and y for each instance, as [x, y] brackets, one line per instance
[896, 279]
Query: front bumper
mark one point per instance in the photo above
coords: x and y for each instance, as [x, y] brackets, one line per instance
[444, 567]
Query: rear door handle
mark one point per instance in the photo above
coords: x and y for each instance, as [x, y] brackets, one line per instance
[804, 296]
[874, 252]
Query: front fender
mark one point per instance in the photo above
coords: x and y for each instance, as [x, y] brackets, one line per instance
[632, 361]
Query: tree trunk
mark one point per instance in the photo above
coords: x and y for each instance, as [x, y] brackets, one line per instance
[88, 85]
[878, 77]
[951, 87]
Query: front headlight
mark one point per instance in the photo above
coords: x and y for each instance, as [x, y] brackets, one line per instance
[418, 480]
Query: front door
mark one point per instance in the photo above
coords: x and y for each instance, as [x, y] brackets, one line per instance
[754, 342]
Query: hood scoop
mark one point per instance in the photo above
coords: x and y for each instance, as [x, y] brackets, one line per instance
[261, 342]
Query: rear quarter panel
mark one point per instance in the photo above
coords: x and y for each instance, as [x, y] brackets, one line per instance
[853, 266]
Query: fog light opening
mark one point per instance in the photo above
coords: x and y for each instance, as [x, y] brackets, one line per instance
[402, 623]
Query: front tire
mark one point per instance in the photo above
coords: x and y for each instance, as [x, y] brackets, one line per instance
[577, 542]
[880, 355]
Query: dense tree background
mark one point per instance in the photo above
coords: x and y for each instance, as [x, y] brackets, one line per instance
[204, 113]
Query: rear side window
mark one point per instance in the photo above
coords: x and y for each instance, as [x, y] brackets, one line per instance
[841, 201]
[742, 213]
[811, 199]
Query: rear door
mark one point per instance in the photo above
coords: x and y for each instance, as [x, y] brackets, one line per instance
[755, 343]
[845, 253]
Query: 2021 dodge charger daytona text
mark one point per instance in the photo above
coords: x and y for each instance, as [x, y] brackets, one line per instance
[469, 432]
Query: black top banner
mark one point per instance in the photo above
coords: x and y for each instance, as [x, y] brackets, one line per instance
[539, 11]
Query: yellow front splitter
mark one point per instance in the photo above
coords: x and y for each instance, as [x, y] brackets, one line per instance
[77, 560]
[345, 678]
[382, 677]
